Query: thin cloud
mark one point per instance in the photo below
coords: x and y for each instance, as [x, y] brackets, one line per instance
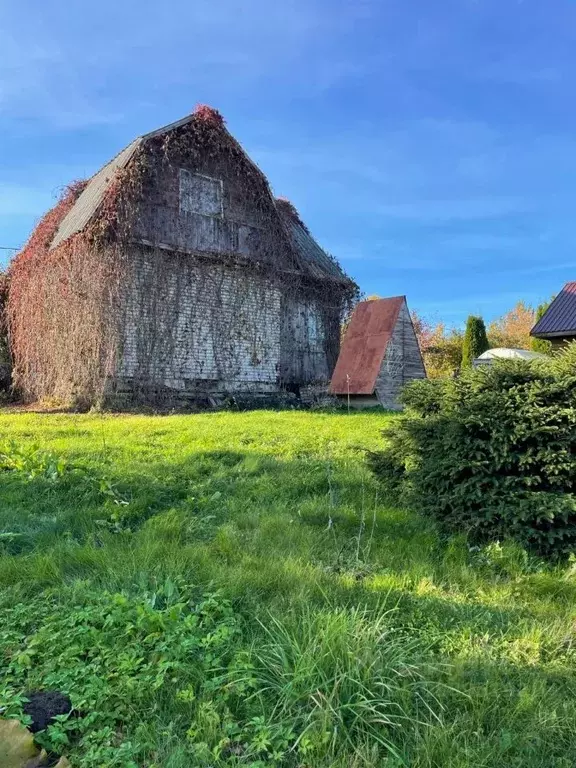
[57, 68]
[439, 211]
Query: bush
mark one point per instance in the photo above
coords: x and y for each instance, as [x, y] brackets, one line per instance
[475, 340]
[492, 453]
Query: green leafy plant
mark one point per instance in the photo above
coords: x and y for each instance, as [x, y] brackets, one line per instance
[322, 684]
[31, 461]
[492, 453]
[114, 655]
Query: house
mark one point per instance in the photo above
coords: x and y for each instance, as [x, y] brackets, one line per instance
[558, 323]
[174, 273]
[379, 354]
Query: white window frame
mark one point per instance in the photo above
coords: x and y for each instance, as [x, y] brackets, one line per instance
[183, 172]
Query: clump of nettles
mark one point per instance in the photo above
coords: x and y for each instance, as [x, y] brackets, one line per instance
[492, 453]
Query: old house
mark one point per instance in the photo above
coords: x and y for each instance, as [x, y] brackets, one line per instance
[379, 354]
[174, 272]
[558, 323]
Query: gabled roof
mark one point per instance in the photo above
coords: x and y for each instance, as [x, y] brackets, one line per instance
[364, 346]
[89, 202]
[308, 254]
[560, 317]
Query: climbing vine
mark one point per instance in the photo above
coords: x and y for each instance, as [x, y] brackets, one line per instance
[60, 311]
[136, 296]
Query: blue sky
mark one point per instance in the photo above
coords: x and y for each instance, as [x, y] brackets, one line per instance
[430, 146]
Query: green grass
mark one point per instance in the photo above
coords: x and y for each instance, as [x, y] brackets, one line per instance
[233, 589]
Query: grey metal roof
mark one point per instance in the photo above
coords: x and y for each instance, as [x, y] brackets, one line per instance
[560, 317]
[316, 261]
[89, 200]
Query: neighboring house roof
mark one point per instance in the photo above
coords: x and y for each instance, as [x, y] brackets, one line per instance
[313, 260]
[503, 353]
[364, 346]
[560, 317]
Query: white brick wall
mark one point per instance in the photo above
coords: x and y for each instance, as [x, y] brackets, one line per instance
[200, 322]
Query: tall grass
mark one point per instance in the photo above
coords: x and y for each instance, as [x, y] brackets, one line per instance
[361, 636]
[342, 679]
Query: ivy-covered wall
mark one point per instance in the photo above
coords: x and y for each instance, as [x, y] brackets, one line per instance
[197, 326]
[177, 273]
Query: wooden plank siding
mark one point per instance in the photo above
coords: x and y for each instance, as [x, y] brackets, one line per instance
[402, 362]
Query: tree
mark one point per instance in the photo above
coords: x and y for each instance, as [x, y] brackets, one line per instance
[512, 330]
[541, 345]
[441, 347]
[475, 340]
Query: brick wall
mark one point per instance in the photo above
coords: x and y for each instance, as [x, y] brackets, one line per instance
[191, 323]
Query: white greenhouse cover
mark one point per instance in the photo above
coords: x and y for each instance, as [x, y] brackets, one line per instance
[511, 354]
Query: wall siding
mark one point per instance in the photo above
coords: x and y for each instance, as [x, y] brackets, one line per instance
[304, 336]
[558, 343]
[402, 362]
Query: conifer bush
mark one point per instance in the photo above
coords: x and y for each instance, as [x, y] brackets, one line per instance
[492, 453]
[475, 340]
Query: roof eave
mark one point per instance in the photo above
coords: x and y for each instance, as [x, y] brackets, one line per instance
[553, 334]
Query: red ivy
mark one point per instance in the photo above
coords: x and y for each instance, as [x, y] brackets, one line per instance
[43, 234]
[208, 115]
[32, 259]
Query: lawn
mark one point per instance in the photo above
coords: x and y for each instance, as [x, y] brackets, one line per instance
[233, 589]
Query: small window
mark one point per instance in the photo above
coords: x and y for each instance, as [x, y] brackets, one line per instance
[200, 194]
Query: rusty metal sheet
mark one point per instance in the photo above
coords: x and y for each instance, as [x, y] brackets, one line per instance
[364, 346]
[560, 317]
